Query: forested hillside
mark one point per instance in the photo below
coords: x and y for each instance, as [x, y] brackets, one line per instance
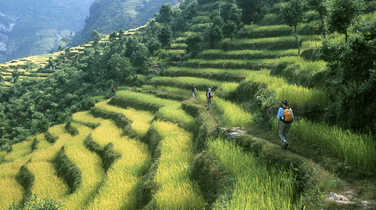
[113, 15]
[115, 124]
[37, 27]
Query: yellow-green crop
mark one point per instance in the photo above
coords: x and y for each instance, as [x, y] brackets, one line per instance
[172, 175]
[232, 115]
[256, 186]
[295, 94]
[123, 177]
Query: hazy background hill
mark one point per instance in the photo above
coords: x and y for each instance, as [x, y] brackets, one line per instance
[112, 15]
[36, 27]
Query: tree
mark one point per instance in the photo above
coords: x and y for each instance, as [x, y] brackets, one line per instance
[352, 77]
[165, 14]
[320, 7]
[215, 35]
[15, 75]
[165, 36]
[194, 44]
[340, 15]
[251, 10]
[231, 16]
[292, 15]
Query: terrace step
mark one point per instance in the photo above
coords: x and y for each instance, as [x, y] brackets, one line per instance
[213, 54]
[165, 92]
[216, 74]
[270, 43]
[124, 175]
[46, 184]
[199, 83]
[255, 31]
[10, 189]
[89, 165]
[171, 176]
[140, 119]
[255, 64]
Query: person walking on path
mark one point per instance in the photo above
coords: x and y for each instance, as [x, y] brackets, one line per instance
[113, 91]
[209, 97]
[285, 117]
[194, 92]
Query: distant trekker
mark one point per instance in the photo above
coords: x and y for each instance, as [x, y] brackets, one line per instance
[209, 97]
[194, 91]
[113, 90]
[285, 117]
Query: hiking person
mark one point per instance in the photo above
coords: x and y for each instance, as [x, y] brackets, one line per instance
[194, 91]
[285, 117]
[113, 90]
[209, 97]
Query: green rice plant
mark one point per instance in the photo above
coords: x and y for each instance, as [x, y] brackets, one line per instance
[296, 95]
[41, 142]
[311, 44]
[310, 28]
[232, 115]
[256, 186]
[172, 175]
[178, 116]
[184, 82]
[178, 46]
[210, 73]
[140, 119]
[270, 19]
[199, 83]
[254, 64]
[200, 27]
[85, 117]
[271, 43]
[180, 39]
[47, 151]
[46, 183]
[167, 92]
[255, 31]
[355, 149]
[246, 54]
[118, 190]
[175, 52]
[141, 101]
[51, 138]
[89, 167]
[11, 192]
[71, 129]
[19, 150]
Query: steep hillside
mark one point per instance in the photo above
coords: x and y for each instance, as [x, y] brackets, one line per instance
[113, 15]
[32, 28]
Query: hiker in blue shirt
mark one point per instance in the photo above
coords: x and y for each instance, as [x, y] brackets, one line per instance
[209, 97]
[285, 117]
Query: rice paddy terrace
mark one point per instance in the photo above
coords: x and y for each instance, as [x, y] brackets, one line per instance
[34, 67]
[156, 147]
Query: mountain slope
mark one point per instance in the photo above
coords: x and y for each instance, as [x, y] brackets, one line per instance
[36, 27]
[113, 15]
